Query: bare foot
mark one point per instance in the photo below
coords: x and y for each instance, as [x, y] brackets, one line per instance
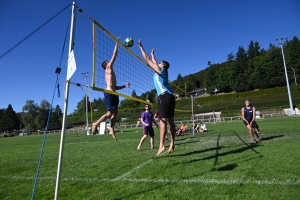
[160, 150]
[94, 129]
[113, 135]
[138, 148]
[171, 150]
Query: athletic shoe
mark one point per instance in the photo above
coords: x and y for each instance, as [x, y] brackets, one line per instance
[254, 141]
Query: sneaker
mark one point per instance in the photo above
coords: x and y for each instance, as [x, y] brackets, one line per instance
[254, 141]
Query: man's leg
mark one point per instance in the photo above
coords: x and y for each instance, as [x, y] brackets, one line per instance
[114, 114]
[101, 119]
[152, 142]
[172, 130]
[251, 133]
[162, 135]
[141, 142]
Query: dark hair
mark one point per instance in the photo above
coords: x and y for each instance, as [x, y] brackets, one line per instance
[249, 101]
[104, 64]
[166, 64]
[148, 106]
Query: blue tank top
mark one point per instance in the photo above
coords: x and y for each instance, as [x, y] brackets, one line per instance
[161, 82]
[248, 113]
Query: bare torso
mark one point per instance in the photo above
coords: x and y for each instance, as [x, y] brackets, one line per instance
[110, 78]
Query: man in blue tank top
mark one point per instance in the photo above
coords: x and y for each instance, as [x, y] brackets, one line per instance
[248, 114]
[166, 99]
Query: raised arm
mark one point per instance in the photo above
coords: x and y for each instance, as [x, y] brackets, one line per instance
[115, 53]
[153, 57]
[147, 58]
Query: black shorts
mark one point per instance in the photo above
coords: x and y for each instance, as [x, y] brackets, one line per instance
[148, 131]
[166, 105]
[254, 124]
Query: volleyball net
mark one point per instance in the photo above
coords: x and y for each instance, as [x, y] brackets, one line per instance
[128, 67]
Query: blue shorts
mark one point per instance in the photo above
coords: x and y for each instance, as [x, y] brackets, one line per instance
[111, 101]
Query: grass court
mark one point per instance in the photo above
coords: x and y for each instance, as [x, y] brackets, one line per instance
[220, 164]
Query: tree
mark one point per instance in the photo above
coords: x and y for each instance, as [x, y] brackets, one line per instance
[253, 49]
[81, 106]
[43, 114]
[9, 120]
[30, 113]
[98, 104]
[58, 111]
[230, 57]
[54, 122]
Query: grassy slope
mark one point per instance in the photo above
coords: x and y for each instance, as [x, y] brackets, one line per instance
[228, 104]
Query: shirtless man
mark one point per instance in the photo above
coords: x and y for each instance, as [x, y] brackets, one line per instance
[111, 100]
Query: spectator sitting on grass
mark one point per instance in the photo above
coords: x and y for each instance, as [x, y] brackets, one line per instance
[203, 127]
[178, 131]
[184, 128]
[196, 127]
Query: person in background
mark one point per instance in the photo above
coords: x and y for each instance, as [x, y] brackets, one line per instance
[203, 127]
[147, 118]
[196, 127]
[248, 115]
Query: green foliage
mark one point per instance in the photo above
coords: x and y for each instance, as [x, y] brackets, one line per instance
[9, 120]
[81, 105]
[250, 69]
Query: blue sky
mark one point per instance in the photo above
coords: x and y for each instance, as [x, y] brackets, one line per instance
[186, 33]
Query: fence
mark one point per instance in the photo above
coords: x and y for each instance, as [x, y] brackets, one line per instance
[197, 120]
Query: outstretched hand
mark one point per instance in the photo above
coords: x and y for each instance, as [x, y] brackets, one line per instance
[152, 52]
[139, 42]
[127, 85]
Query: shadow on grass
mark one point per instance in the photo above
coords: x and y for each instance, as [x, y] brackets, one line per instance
[270, 137]
[228, 167]
[132, 195]
[218, 148]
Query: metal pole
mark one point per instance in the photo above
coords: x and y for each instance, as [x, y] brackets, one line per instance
[86, 103]
[286, 77]
[193, 114]
[62, 139]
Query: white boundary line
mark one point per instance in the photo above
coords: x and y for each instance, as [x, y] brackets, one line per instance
[199, 180]
[133, 170]
[141, 165]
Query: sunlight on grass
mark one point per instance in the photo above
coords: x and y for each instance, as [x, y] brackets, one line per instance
[219, 164]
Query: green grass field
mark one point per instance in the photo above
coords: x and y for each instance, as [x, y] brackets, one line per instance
[219, 164]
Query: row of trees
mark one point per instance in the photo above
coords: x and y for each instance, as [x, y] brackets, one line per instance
[254, 68]
[33, 117]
